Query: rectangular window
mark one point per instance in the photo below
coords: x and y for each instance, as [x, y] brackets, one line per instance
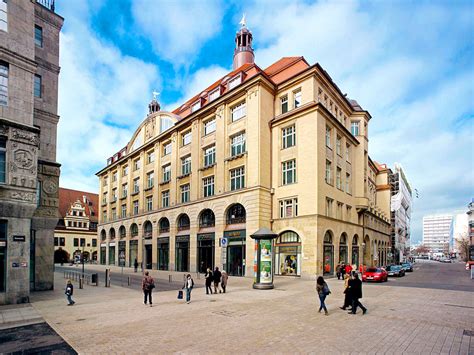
[238, 112]
[355, 128]
[328, 137]
[297, 98]
[38, 36]
[37, 88]
[215, 94]
[166, 173]
[3, 79]
[167, 148]
[340, 205]
[348, 213]
[94, 242]
[237, 178]
[185, 192]
[114, 176]
[284, 104]
[210, 156]
[136, 185]
[237, 144]
[149, 203]
[62, 241]
[234, 82]
[150, 179]
[209, 126]
[186, 165]
[338, 178]
[135, 207]
[83, 242]
[104, 198]
[288, 169]
[114, 214]
[196, 106]
[124, 190]
[208, 184]
[186, 138]
[136, 164]
[123, 213]
[288, 136]
[289, 208]
[76, 242]
[56, 241]
[3, 16]
[328, 176]
[3, 229]
[125, 170]
[329, 202]
[114, 195]
[338, 145]
[150, 157]
[3, 160]
[348, 153]
[348, 183]
[165, 198]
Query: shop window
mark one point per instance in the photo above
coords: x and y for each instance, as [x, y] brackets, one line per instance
[183, 222]
[236, 214]
[288, 254]
[134, 230]
[164, 225]
[207, 219]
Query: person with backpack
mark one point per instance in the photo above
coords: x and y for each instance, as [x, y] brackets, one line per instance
[148, 284]
[68, 292]
[209, 279]
[217, 280]
[322, 289]
[188, 286]
[355, 286]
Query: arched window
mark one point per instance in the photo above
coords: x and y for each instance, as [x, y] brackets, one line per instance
[103, 235]
[165, 124]
[355, 240]
[164, 225]
[207, 219]
[112, 233]
[343, 240]
[134, 230]
[288, 254]
[327, 238]
[328, 254]
[288, 237]
[183, 222]
[147, 230]
[343, 249]
[236, 214]
[122, 232]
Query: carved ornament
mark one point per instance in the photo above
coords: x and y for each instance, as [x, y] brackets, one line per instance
[27, 137]
[23, 196]
[50, 187]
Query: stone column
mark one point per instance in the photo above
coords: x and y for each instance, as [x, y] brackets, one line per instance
[172, 251]
[193, 248]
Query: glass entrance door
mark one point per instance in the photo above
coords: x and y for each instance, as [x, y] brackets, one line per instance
[163, 256]
[102, 255]
[148, 256]
[182, 256]
[328, 260]
[235, 258]
[111, 255]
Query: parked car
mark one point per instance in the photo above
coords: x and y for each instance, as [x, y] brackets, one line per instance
[446, 260]
[376, 274]
[395, 270]
[408, 267]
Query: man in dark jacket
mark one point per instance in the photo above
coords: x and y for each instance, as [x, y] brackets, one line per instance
[217, 280]
[209, 278]
[355, 286]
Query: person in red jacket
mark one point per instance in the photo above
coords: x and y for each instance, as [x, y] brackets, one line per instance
[348, 269]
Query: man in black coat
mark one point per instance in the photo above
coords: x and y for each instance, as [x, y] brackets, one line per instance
[217, 279]
[355, 285]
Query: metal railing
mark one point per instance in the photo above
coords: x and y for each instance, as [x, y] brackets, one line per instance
[49, 4]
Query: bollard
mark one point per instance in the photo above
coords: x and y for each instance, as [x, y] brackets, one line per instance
[170, 278]
[128, 280]
[81, 283]
[107, 277]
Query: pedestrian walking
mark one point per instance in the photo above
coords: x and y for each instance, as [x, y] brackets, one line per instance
[209, 280]
[224, 278]
[188, 287]
[217, 280]
[323, 291]
[347, 293]
[343, 270]
[135, 264]
[348, 269]
[355, 286]
[148, 284]
[68, 292]
[338, 271]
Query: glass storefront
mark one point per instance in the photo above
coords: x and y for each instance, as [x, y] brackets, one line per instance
[235, 253]
[103, 253]
[205, 245]
[133, 252]
[182, 253]
[121, 251]
[163, 253]
[148, 256]
[288, 254]
[343, 254]
[328, 255]
[112, 254]
[355, 256]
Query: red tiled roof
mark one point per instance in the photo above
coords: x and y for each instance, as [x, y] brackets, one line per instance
[67, 197]
[281, 64]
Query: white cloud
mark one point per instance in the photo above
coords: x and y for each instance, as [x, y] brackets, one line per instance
[102, 98]
[178, 29]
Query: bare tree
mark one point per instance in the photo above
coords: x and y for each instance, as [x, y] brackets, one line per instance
[422, 249]
[463, 246]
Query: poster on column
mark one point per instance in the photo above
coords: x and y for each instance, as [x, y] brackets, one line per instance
[265, 261]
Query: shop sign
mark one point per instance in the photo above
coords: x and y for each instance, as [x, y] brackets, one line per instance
[18, 238]
[24, 264]
[235, 234]
[265, 261]
[163, 240]
[206, 236]
[182, 238]
[112, 244]
[15, 264]
[3, 244]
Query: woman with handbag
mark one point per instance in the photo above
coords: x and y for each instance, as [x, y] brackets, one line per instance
[188, 286]
[148, 284]
[323, 291]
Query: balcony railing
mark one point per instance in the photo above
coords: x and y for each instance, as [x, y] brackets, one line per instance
[49, 4]
[164, 229]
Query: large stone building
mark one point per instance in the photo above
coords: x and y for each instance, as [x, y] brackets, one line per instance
[279, 147]
[29, 173]
[438, 233]
[401, 205]
[76, 231]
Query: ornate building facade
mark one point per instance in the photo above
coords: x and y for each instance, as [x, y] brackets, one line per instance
[279, 147]
[76, 232]
[29, 173]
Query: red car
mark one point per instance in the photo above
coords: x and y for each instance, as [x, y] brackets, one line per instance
[377, 274]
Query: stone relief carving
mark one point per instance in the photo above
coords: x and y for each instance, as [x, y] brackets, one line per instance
[4, 130]
[26, 137]
[23, 159]
[50, 170]
[150, 128]
[252, 92]
[49, 186]
[23, 196]
[220, 112]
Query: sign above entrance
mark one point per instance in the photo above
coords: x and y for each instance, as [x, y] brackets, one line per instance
[18, 238]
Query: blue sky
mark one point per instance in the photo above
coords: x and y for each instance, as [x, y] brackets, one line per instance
[409, 63]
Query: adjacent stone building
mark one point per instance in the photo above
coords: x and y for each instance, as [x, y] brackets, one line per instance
[280, 147]
[76, 232]
[29, 173]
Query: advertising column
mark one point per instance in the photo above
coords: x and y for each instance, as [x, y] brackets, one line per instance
[263, 277]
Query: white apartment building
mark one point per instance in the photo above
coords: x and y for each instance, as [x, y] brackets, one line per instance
[438, 232]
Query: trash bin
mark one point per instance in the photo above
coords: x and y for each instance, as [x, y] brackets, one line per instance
[95, 279]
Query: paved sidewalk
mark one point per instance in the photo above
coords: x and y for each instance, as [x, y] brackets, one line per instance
[284, 320]
[18, 315]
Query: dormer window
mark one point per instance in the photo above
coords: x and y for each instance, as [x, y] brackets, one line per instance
[196, 106]
[234, 82]
[215, 94]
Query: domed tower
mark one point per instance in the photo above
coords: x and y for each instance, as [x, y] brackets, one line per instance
[243, 52]
[154, 106]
